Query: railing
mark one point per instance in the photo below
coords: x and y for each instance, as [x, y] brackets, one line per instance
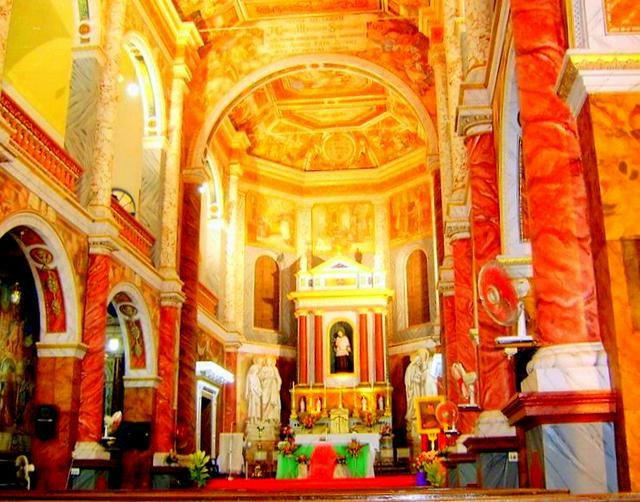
[131, 230]
[207, 300]
[36, 144]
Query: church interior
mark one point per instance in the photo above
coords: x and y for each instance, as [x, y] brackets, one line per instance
[319, 239]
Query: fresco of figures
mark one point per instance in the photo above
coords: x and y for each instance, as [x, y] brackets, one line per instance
[342, 227]
[410, 214]
[270, 221]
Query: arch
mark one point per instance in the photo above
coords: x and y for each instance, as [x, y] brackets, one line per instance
[133, 314]
[509, 165]
[266, 293]
[417, 288]
[298, 63]
[150, 84]
[71, 334]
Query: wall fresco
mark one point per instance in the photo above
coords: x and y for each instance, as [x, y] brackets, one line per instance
[410, 214]
[622, 16]
[342, 227]
[270, 221]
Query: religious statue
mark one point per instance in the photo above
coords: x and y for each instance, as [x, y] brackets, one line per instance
[419, 379]
[343, 352]
[271, 384]
[253, 391]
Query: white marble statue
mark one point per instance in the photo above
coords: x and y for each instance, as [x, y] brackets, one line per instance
[419, 380]
[253, 391]
[271, 384]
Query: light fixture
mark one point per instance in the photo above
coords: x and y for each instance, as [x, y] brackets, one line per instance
[16, 294]
[113, 344]
[133, 89]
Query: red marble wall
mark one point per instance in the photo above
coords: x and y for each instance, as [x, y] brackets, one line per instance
[496, 377]
[229, 399]
[95, 323]
[58, 384]
[138, 407]
[560, 236]
[189, 262]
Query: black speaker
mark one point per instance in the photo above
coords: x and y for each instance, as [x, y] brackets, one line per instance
[46, 421]
[133, 435]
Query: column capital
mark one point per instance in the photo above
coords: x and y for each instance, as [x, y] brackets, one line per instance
[473, 120]
[172, 299]
[301, 313]
[454, 230]
[232, 346]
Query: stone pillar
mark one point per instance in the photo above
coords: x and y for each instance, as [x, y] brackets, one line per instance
[378, 323]
[231, 258]
[303, 348]
[461, 345]
[188, 40]
[189, 263]
[364, 346]
[496, 378]
[5, 21]
[317, 341]
[99, 197]
[572, 360]
[164, 425]
[91, 413]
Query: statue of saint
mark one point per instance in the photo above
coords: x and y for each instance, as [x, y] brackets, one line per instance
[343, 352]
[253, 391]
[271, 383]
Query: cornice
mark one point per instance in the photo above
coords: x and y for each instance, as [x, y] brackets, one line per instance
[472, 120]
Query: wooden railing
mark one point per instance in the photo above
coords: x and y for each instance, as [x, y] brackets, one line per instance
[34, 143]
[132, 231]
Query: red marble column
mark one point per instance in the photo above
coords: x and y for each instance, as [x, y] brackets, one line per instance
[317, 339]
[364, 348]
[164, 417]
[379, 346]
[460, 347]
[560, 238]
[95, 323]
[229, 396]
[495, 372]
[303, 373]
[189, 262]
[448, 319]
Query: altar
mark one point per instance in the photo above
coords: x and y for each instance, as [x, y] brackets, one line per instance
[360, 466]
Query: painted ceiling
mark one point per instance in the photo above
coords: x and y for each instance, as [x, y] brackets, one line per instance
[321, 118]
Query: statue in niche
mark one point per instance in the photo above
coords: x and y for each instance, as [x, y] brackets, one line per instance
[271, 384]
[253, 391]
[419, 380]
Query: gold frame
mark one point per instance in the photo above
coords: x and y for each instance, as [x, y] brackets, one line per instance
[426, 420]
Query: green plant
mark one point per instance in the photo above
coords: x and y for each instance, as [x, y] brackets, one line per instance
[198, 470]
[430, 463]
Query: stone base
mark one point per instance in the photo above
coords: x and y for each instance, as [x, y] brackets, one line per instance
[579, 456]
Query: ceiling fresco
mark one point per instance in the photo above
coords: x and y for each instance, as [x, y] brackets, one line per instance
[317, 116]
[321, 120]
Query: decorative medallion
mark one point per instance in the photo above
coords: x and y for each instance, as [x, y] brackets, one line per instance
[339, 148]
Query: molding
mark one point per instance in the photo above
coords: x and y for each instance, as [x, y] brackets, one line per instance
[271, 350]
[455, 230]
[533, 409]
[131, 382]
[74, 350]
[477, 445]
[213, 326]
[585, 73]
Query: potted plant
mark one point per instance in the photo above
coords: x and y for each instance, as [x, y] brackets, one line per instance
[198, 470]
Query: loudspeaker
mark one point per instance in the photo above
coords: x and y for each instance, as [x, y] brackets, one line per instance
[133, 435]
[46, 421]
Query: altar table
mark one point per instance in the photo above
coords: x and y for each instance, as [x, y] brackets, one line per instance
[361, 466]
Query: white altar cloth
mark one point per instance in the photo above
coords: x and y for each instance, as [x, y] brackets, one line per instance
[372, 439]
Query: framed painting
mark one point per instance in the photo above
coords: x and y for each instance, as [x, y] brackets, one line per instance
[427, 423]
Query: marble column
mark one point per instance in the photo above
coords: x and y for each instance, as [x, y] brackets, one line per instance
[231, 250]
[461, 346]
[363, 322]
[317, 349]
[380, 349]
[303, 348]
[572, 359]
[496, 379]
[164, 425]
[189, 263]
[99, 197]
[187, 41]
[5, 21]
[477, 33]
[91, 411]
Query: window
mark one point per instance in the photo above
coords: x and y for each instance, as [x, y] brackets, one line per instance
[417, 288]
[266, 299]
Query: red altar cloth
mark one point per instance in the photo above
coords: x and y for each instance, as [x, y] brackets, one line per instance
[323, 462]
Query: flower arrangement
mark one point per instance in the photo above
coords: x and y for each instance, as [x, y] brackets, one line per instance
[287, 432]
[341, 459]
[302, 459]
[354, 447]
[287, 447]
[385, 430]
[429, 463]
[308, 420]
[369, 419]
